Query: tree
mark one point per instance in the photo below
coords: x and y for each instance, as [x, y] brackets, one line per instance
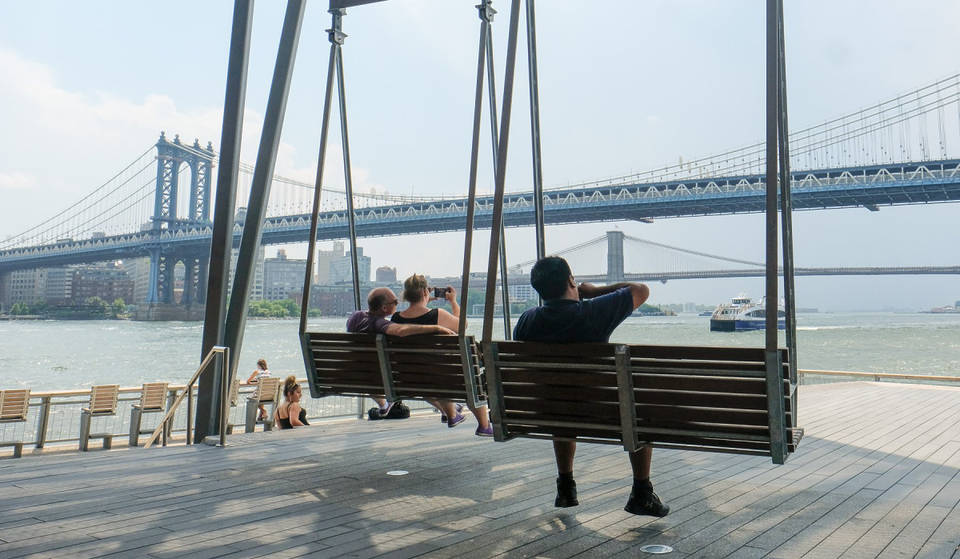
[118, 308]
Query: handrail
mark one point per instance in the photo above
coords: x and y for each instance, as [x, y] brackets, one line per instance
[878, 376]
[223, 356]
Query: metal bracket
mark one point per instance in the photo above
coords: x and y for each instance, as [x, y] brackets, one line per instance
[385, 369]
[335, 33]
[486, 11]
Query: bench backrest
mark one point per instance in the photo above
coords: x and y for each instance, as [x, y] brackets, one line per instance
[14, 404]
[103, 399]
[266, 389]
[434, 366]
[706, 398]
[344, 364]
[153, 396]
[566, 391]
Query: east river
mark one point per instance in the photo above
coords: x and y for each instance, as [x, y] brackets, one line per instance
[51, 355]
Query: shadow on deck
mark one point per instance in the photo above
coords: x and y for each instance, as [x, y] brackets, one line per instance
[878, 474]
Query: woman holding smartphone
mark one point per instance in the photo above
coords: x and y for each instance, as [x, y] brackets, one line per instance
[418, 294]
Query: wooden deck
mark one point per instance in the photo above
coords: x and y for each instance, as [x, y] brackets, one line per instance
[877, 475]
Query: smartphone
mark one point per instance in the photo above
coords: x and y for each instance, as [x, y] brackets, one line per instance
[439, 292]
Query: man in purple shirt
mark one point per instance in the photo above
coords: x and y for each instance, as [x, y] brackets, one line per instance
[381, 303]
[574, 313]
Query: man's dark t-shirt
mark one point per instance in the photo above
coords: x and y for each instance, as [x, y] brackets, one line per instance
[564, 320]
[362, 322]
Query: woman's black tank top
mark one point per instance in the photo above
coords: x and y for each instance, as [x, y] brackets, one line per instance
[284, 422]
[430, 317]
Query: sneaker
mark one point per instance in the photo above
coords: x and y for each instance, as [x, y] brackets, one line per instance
[456, 420]
[481, 432]
[566, 494]
[443, 416]
[646, 503]
[386, 410]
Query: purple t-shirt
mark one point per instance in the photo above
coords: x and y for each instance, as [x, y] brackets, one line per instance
[362, 322]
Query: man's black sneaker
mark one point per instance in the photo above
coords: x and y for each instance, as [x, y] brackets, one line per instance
[566, 494]
[646, 503]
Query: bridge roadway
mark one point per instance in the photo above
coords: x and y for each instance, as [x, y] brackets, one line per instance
[869, 186]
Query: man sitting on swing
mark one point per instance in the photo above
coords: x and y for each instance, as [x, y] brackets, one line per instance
[585, 313]
[382, 303]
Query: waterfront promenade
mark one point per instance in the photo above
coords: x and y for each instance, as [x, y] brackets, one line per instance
[877, 475]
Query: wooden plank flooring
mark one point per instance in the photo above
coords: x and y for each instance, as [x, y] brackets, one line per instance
[877, 475]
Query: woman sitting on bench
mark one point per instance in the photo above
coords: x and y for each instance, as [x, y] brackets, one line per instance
[289, 413]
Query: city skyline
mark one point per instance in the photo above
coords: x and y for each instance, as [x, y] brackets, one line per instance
[70, 121]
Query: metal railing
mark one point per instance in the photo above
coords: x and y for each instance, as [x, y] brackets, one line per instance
[221, 355]
[878, 377]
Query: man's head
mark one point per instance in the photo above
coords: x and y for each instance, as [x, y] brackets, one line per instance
[551, 277]
[382, 301]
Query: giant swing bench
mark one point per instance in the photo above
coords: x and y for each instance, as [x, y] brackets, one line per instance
[714, 399]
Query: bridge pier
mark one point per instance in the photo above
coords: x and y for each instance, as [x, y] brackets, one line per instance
[614, 256]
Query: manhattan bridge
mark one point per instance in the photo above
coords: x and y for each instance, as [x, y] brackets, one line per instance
[901, 151]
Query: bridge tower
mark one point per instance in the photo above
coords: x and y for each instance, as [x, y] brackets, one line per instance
[614, 256]
[171, 157]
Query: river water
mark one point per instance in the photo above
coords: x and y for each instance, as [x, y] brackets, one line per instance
[52, 355]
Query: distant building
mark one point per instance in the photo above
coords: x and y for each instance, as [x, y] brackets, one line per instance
[282, 276]
[25, 286]
[341, 269]
[324, 258]
[521, 292]
[256, 289]
[139, 271]
[333, 300]
[59, 287]
[108, 282]
[386, 274]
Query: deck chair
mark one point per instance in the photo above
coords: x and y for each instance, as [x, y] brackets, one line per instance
[152, 400]
[234, 399]
[103, 402]
[267, 388]
[13, 409]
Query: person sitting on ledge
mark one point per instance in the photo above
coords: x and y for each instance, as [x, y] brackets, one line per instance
[381, 303]
[289, 414]
[585, 313]
[418, 294]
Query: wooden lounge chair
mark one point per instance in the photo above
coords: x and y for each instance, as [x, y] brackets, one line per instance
[103, 402]
[14, 405]
[153, 397]
[693, 398]
[266, 393]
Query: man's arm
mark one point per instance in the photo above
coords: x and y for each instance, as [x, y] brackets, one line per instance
[402, 330]
[639, 291]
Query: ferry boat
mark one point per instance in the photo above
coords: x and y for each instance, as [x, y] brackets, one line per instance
[743, 314]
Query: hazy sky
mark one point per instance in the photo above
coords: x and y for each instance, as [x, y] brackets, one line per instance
[625, 86]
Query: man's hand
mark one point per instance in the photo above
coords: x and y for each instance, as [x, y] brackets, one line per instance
[446, 331]
[588, 291]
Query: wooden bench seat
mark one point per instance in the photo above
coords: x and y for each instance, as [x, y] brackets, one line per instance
[412, 367]
[14, 406]
[684, 397]
[103, 402]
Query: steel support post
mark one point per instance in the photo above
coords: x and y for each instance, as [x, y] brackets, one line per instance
[535, 129]
[786, 211]
[485, 15]
[774, 374]
[318, 187]
[222, 236]
[488, 13]
[345, 142]
[262, 179]
[501, 170]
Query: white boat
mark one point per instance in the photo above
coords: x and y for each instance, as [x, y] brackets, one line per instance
[743, 314]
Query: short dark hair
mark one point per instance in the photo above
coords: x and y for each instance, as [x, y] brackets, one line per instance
[549, 277]
[376, 300]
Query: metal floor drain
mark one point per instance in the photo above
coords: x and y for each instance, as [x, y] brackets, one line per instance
[656, 549]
